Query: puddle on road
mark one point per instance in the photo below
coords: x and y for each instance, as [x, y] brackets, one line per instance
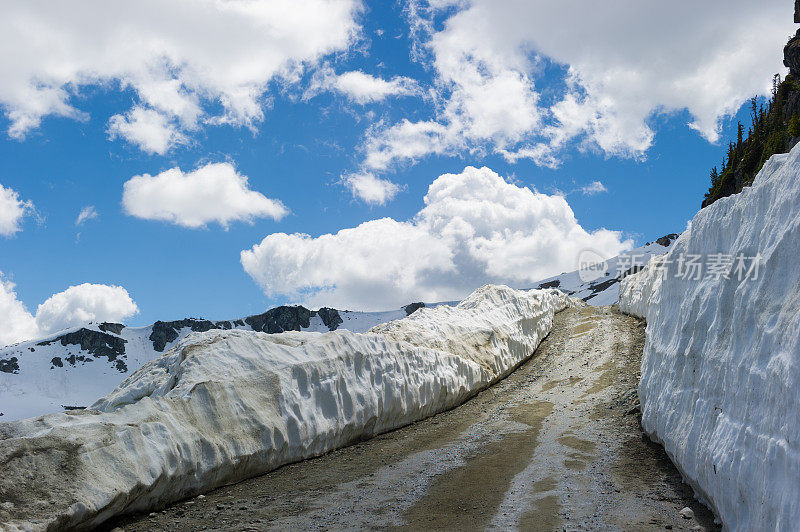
[550, 385]
[575, 465]
[609, 373]
[543, 517]
[584, 446]
[568, 382]
[544, 485]
[467, 497]
[584, 327]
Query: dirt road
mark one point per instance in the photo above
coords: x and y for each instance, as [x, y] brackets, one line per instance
[555, 446]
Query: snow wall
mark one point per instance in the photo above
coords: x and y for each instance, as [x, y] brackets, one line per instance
[225, 405]
[637, 290]
[720, 384]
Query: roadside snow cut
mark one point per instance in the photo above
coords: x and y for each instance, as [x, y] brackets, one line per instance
[720, 381]
[224, 405]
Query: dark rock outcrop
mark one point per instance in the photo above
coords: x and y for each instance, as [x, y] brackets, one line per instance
[791, 55]
[330, 317]
[280, 319]
[413, 307]
[165, 332]
[276, 320]
[666, 240]
[98, 344]
[9, 365]
[597, 287]
[550, 284]
[115, 328]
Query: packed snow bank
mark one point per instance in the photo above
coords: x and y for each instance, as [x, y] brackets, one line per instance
[638, 289]
[720, 381]
[225, 405]
[72, 368]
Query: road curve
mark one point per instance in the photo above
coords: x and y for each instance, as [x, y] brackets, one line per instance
[555, 446]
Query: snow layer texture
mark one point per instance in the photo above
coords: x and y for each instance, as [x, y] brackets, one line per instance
[225, 405]
[638, 289]
[73, 368]
[720, 381]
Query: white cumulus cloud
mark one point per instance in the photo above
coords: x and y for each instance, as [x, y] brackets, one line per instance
[152, 131]
[12, 211]
[370, 189]
[361, 87]
[83, 303]
[17, 323]
[75, 306]
[181, 58]
[215, 192]
[623, 63]
[475, 228]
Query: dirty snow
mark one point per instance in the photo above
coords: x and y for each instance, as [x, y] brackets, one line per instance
[47, 375]
[227, 404]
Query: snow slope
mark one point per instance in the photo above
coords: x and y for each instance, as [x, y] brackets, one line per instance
[601, 286]
[720, 381]
[223, 405]
[73, 368]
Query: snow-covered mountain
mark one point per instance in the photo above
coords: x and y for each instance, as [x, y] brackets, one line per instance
[72, 368]
[598, 283]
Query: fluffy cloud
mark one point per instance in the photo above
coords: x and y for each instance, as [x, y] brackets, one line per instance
[12, 211]
[152, 131]
[17, 324]
[180, 58]
[215, 192]
[624, 62]
[74, 306]
[475, 228]
[84, 303]
[359, 86]
[370, 189]
[86, 214]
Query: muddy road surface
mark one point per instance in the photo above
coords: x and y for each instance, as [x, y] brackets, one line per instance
[555, 446]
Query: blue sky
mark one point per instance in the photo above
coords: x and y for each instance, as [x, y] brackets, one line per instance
[306, 141]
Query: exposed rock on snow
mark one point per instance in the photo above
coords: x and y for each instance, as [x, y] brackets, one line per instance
[720, 381]
[412, 307]
[667, 240]
[96, 343]
[226, 404]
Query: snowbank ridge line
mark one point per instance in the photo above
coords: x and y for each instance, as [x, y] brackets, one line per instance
[225, 405]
